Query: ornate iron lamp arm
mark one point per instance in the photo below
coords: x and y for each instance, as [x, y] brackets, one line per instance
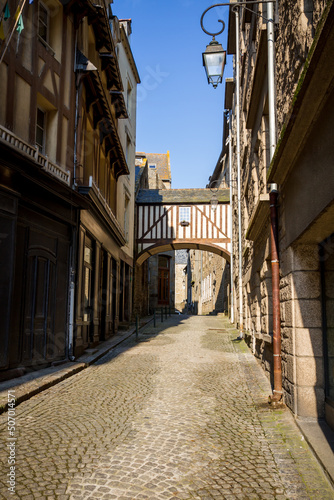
[219, 20]
[234, 5]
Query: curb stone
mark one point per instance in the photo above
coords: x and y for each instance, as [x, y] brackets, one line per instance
[28, 385]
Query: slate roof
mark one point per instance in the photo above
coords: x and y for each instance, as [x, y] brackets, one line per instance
[180, 196]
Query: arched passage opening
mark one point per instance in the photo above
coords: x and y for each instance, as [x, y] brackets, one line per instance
[193, 245]
[202, 284]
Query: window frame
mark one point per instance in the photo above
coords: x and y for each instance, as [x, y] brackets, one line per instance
[185, 214]
[41, 5]
[41, 147]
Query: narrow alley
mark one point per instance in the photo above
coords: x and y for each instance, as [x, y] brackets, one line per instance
[181, 413]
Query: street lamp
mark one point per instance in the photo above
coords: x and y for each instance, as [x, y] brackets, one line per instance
[237, 78]
[235, 6]
[214, 199]
[214, 59]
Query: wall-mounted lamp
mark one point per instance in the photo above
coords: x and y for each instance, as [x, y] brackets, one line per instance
[214, 59]
[214, 186]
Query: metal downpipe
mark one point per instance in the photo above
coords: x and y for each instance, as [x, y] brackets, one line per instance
[231, 213]
[237, 85]
[277, 357]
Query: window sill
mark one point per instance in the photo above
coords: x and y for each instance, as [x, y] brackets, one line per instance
[47, 46]
[261, 336]
[259, 217]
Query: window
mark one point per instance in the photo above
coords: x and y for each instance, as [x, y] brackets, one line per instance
[40, 130]
[163, 280]
[128, 149]
[87, 281]
[39, 338]
[184, 214]
[43, 23]
[126, 217]
[152, 165]
[129, 98]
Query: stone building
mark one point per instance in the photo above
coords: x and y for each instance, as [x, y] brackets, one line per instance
[67, 139]
[208, 283]
[155, 278]
[303, 172]
[181, 280]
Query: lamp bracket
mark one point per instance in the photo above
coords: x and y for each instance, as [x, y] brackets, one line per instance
[213, 187]
[235, 5]
[234, 8]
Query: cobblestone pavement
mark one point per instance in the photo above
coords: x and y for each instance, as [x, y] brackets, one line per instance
[181, 414]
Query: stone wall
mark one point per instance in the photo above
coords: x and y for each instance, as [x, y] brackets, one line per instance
[210, 278]
[181, 287]
[153, 281]
[301, 322]
[301, 205]
[298, 21]
[181, 280]
[141, 294]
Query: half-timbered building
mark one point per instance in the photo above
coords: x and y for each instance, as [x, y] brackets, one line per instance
[155, 278]
[168, 220]
[67, 140]
[104, 172]
[38, 207]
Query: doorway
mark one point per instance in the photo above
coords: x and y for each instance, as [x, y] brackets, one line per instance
[327, 286]
[163, 280]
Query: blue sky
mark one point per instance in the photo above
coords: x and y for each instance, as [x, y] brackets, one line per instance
[177, 109]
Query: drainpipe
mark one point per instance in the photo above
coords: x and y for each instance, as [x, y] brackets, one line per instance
[76, 114]
[231, 213]
[237, 85]
[271, 79]
[71, 316]
[277, 357]
[148, 287]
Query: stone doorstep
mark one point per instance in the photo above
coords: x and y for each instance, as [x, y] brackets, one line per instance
[320, 438]
[37, 381]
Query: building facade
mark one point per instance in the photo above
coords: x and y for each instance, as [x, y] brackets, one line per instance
[155, 278]
[67, 139]
[105, 175]
[208, 274]
[39, 209]
[208, 283]
[181, 280]
[301, 169]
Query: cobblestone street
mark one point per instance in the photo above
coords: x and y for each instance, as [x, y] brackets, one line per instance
[180, 414]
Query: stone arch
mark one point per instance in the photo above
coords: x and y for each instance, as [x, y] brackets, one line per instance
[186, 245]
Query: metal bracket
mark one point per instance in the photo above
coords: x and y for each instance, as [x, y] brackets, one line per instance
[235, 6]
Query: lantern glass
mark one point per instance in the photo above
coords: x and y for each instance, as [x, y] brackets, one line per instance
[214, 202]
[214, 59]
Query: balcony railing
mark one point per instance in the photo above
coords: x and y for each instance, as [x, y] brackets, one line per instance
[32, 152]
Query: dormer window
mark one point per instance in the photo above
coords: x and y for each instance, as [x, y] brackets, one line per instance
[152, 165]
